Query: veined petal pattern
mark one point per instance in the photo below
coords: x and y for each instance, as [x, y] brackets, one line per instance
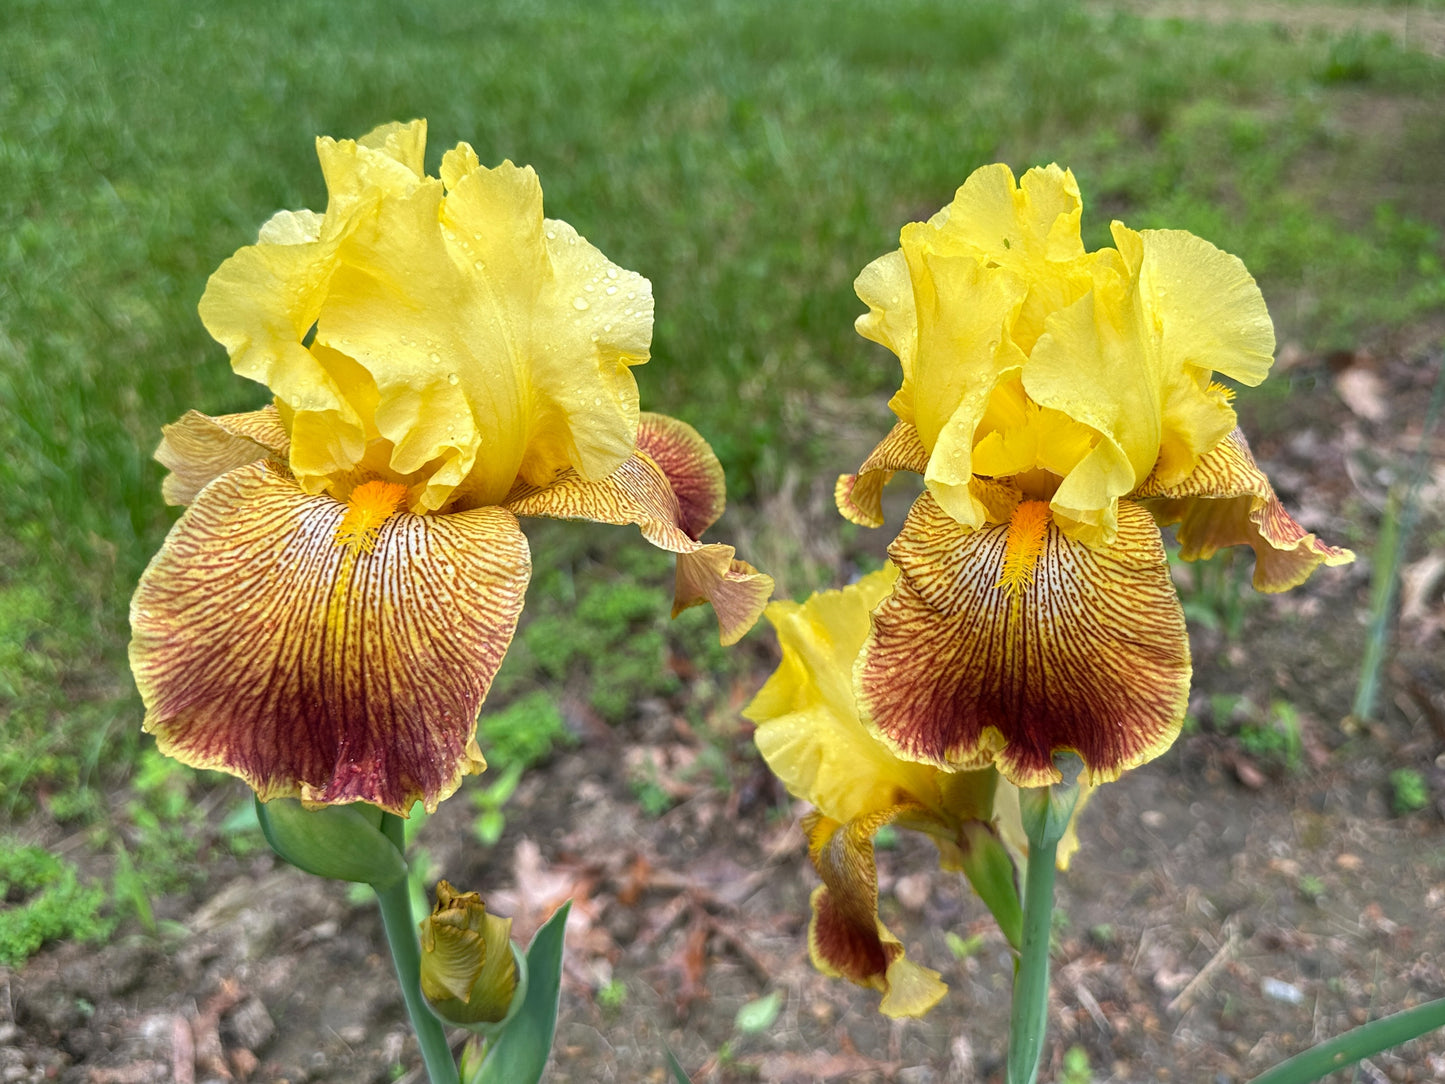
[263, 648]
[1090, 653]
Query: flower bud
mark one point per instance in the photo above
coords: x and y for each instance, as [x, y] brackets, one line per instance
[343, 842]
[469, 971]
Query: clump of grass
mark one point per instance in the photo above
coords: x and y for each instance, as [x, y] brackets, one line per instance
[44, 900]
[1409, 793]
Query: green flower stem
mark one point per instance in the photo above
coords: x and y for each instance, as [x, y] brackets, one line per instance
[1344, 1050]
[401, 937]
[1045, 813]
[1029, 1018]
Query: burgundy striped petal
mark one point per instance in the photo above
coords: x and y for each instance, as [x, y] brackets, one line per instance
[1085, 651]
[311, 668]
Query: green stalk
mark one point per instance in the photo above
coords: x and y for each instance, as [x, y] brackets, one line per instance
[401, 937]
[1344, 1050]
[1029, 1019]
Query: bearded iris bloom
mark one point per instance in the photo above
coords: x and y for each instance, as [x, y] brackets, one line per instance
[810, 734]
[326, 617]
[1061, 406]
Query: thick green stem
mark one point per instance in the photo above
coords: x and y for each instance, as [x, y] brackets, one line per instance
[401, 937]
[1029, 1018]
[1344, 1050]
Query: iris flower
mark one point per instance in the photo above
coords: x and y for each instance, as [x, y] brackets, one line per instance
[1061, 405]
[809, 732]
[326, 617]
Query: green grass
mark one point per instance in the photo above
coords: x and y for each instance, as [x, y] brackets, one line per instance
[748, 157]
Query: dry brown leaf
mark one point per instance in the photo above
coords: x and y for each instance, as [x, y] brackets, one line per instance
[1364, 393]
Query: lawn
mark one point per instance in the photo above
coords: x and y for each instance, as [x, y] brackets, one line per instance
[749, 158]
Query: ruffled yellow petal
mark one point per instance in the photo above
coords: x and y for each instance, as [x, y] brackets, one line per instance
[1030, 228]
[846, 938]
[1228, 501]
[199, 448]
[640, 492]
[264, 647]
[965, 308]
[461, 339]
[807, 721]
[1206, 305]
[967, 665]
[860, 496]
[891, 320]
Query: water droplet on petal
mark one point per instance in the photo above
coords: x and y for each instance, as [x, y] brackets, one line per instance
[579, 303]
[611, 290]
[453, 379]
[435, 358]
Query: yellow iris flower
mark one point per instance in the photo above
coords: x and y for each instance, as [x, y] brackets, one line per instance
[1061, 406]
[325, 619]
[809, 732]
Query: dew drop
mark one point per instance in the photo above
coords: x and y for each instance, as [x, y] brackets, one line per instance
[579, 303]
[436, 359]
[611, 290]
[453, 379]
[551, 235]
[589, 287]
[479, 265]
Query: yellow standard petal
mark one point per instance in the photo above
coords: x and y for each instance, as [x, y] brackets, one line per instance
[455, 339]
[1005, 645]
[845, 937]
[1228, 501]
[642, 492]
[330, 653]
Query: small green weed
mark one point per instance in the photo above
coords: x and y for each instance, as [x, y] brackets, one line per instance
[1311, 887]
[44, 901]
[1076, 1068]
[613, 995]
[1271, 738]
[1409, 793]
[962, 947]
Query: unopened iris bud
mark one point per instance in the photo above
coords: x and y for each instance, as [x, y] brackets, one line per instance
[343, 842]
[469, 970]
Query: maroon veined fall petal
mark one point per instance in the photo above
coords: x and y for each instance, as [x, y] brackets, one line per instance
[860, 496]
[1088, 654]
[198, 448]
[1228, 501]
[693, 472]
[313, 669]
[640, 492]
[846, 939]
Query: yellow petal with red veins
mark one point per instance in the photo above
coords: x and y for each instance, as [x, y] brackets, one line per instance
[264, 648]
[1088, 653]
[693, 472]
[640, 492]
[860, 496]
[808, 729]
[199, 448]
[1228, 501]
[846, 938]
